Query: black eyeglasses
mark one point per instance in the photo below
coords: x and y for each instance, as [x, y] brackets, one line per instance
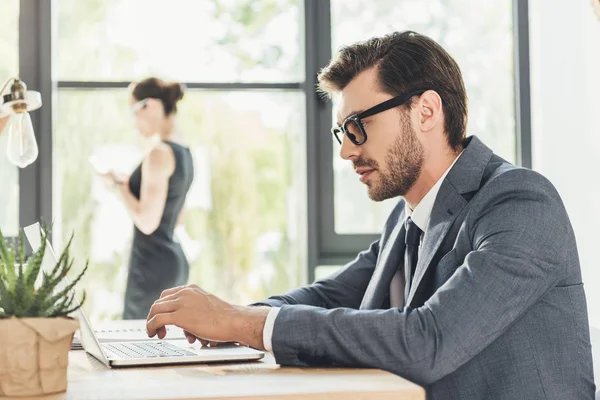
[353, 127]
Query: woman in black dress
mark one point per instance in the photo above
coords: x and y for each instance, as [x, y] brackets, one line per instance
[154, 195]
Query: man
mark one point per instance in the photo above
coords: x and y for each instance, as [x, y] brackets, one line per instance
[473, 290]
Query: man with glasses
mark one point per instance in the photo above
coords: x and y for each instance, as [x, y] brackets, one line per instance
[474, 288]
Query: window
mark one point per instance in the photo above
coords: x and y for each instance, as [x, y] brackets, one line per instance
[190, 41]
[243, 117]
[9, 67]
[254, 64]
[478, 35]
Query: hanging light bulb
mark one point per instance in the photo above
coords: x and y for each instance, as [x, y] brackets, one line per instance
[22, 148]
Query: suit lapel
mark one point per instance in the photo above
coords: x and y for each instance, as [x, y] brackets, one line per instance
[465, 176]
[447, 207]
[390, 259]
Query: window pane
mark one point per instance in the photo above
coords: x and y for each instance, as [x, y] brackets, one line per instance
[477, 34]
[244, 231]
[188, 40]
[9, 67]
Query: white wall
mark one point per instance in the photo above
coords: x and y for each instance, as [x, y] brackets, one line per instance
[565, 86]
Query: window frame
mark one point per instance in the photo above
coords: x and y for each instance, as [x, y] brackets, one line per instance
[37, 22]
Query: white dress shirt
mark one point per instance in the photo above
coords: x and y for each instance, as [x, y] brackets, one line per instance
[420, 216]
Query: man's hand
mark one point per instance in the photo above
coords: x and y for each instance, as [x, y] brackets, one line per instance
[203, 315]
[206, 343]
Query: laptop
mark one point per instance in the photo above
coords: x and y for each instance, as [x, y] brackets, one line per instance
[145, 352]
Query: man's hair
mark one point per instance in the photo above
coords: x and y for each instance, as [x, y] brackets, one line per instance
[405, 61]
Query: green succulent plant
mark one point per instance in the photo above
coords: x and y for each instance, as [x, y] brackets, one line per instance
[22, 295]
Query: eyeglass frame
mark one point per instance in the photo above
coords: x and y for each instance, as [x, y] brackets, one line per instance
[139, 105]
[379, 108]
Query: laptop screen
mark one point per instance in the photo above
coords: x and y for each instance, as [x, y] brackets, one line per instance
[34, 236]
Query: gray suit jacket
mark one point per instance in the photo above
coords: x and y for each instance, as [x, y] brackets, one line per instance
[496, 310]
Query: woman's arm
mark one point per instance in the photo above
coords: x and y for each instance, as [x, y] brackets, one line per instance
[157, 168]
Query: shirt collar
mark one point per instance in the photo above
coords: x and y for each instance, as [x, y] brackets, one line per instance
[420, 215]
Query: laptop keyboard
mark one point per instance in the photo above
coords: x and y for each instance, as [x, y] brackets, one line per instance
[146, 350]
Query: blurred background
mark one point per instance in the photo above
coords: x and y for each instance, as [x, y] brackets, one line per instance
[272, 205]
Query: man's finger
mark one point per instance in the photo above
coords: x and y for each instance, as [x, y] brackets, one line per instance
[163, 307]
[213, 343]
[190, 337]
[159, 321]
[170, 297]
[161, 332]
[168, 292]
[166, 305]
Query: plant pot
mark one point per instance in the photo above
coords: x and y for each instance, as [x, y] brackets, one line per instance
[34, 354]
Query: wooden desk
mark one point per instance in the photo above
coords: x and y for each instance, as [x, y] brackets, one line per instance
[88, 379]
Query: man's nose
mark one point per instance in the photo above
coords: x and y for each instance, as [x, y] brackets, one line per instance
[349, 150]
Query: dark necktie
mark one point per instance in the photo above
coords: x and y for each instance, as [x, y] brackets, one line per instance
[412, 240]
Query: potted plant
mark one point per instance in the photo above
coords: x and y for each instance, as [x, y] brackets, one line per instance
[35, 330]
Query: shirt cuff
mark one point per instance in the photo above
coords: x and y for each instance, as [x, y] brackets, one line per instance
[268, 329]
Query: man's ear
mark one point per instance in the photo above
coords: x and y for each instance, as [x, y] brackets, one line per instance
[429, 108]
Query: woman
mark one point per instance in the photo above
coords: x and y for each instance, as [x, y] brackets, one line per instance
[154, 195]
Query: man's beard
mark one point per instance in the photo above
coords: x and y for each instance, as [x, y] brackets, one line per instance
[403, 160]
